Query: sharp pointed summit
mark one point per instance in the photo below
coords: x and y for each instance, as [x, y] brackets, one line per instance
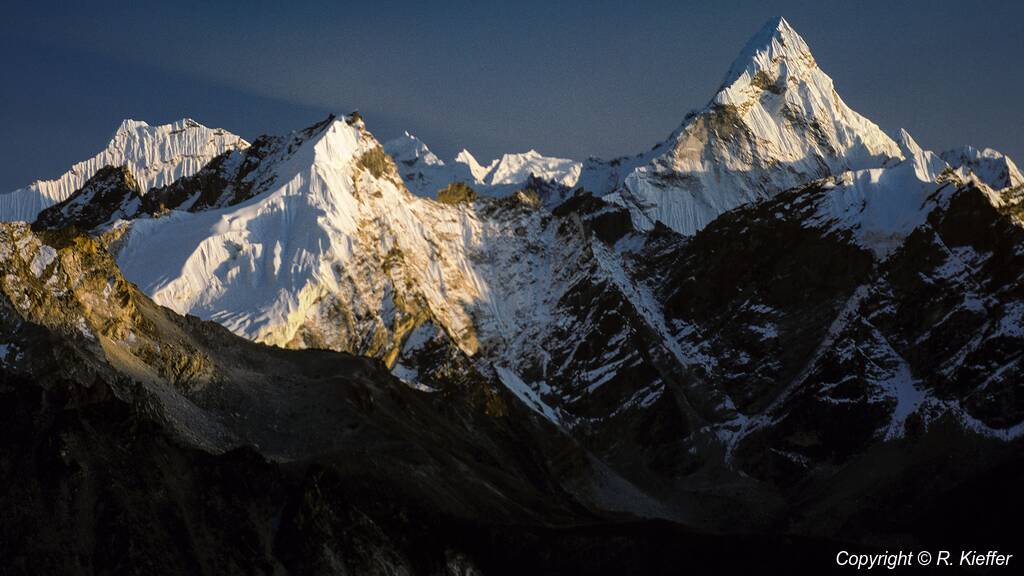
[927, 164]
[478, 170]
[776, 123]
[776, 51]
[410, 150]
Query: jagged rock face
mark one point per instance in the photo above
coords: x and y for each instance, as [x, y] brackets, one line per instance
[122, 392]
[960, 318]
[827, 350]
[214, 391]
[773, 341]
[110, 195]
[333, 252]
[68, 284]
[806, 359]
[154, 155]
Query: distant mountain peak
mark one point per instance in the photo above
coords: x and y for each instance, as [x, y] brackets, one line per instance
[476, 169]
[410, 150]
[128, 124]
[990, 166]
[155, 155]
[424, 173]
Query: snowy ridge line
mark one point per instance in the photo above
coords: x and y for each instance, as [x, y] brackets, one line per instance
[155, 155]
[425, 174]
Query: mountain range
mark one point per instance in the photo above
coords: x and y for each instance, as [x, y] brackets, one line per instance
[778, 325]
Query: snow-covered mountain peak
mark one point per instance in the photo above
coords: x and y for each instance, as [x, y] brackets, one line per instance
[410, 150]
[321, 159]
[344, 148]
[477, 170]
[517, 168]
[771, 56]
[129, 125]
[776, 124]
[155, 155]
[424, 173]
[789, 107]
[990, 166]
[907, 143]
[307, 242]
[140, 130]
[927, 164]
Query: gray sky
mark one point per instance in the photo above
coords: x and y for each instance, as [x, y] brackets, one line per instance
[571, 79]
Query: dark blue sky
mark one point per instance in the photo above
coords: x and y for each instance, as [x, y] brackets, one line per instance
[567, 78]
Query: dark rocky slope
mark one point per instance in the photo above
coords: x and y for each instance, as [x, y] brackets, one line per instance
[139, 441]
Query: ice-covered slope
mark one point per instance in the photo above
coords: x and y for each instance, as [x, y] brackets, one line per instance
[155, 155]
[476, 169]
[990, 166]
[411, 151]
[880, 207]
[424, 173]
[333, 253]
[777, 122]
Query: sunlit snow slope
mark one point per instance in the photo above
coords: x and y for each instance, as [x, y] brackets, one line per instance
[273, 267]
